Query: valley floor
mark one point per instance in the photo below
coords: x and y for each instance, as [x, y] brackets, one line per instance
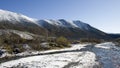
[104, 55]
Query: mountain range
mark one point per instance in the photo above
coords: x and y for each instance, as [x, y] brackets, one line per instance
[49, 27]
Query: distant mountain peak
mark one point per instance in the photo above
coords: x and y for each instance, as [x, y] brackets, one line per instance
[65, 23]
[6, 15]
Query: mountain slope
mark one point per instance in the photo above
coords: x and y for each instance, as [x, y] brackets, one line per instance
[14, 17]
[11, 20]
[72, 29]
[24, 35]
[115, 36]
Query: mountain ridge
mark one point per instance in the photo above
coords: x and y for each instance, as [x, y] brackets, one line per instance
[61, 27]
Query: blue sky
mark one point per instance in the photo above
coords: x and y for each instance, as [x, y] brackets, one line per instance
[102, 14]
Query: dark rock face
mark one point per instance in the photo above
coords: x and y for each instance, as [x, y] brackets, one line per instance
[1, 52]
[16, 51]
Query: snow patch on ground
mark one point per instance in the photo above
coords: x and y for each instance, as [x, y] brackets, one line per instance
[108, 54]
[22, 34]
[104, 55]
[73, 57]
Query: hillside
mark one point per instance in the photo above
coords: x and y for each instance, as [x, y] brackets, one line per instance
[48, 27]
[72, 29]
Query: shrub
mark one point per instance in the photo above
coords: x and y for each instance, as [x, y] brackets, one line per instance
[117, 41]
[35, 46]
[62, 41]
[1, 41]
[8, 48]
[90, 41]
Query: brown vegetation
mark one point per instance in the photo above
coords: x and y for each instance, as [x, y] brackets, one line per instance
[91, 40]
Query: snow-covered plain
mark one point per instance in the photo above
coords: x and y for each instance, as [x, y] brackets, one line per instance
[104, 55]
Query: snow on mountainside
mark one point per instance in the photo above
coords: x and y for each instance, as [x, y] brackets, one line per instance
[23, 35]
[14, 17]
[82, 25]
[65, 23]
[69, 29]
[72, 29]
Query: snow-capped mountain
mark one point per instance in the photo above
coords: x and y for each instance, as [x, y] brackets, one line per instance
[61, 27]
[65, 23]
[14, 17]
[17, 21]
[71, 29]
